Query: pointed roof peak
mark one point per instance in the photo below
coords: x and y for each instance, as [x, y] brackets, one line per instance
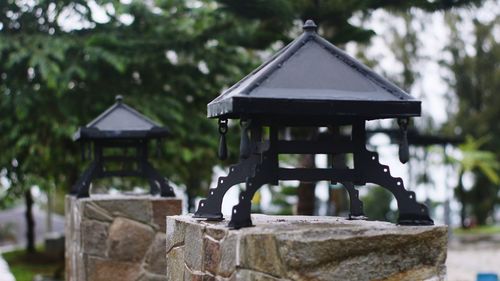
[310, 26]
[119, 98]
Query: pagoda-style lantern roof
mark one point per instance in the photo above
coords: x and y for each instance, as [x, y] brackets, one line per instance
[312, 77]
[120, 128]
[310, 83]
[121, 121]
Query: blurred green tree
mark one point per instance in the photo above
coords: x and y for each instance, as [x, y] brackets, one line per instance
[473, 159]
[63, 61]
[377, 203]
[474, 84]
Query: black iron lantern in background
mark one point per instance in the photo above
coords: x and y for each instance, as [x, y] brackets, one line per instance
[123, 129]
[310, 83]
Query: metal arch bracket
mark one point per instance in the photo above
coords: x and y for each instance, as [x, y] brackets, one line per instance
[371, 170]
[262, 168]
[261, 174]
[410, 211]
[210, 208]
[355, 204]
[158, 184]
[82, 187]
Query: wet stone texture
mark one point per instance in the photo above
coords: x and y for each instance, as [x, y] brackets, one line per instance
[117, 237]
[280, 248]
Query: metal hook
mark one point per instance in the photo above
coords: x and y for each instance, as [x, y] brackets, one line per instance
[222, 152]
[404, 150]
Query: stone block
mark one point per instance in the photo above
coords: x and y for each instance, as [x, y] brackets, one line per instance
[216, 232]
[176, 231]
[229, 255]
[289, 248]
[93, 212]
[156, 260]
[106, 270]
[194, 252]
[129, 240]
[163, 208]
[152, 277]
[211, 255]
[135, 208]
[95, 235]
[245, 274]
[175, 264]
[191, 276]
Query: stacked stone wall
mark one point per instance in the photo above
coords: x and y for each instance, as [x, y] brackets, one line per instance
[292, 248]
[117, 237]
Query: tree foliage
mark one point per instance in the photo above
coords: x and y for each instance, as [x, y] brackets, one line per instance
[474, 81]
[60, 67]
[63, 61]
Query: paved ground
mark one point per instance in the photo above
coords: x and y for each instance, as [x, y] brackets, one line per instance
[15, 219]
[465, 260]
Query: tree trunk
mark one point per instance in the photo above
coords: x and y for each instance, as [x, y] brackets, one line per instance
[193, 186]
[306, 190]
[30, 222]
[461, 197]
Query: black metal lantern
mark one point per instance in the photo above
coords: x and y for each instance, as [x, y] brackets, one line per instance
[418, 139]
[310, 83]
[120, 128]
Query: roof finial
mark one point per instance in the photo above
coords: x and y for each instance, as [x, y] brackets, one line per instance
[119, 98]
[310, 26]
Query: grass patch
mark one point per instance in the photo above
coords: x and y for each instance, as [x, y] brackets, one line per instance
[25, 266]
[485, 229]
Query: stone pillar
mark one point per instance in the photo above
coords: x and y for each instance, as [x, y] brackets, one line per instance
[117, 237]
[304, 248]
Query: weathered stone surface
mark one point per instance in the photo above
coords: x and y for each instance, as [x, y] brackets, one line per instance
[164, 207]
[128, 240]
[94, 238]
[92, 211]
[244, 274]
[133, 207]
[156, 258]
[176, 231]
[211, 255]
[217, 232]
[379, 252]
[106, 270]
[116, 233]
[175, 264]
[152, 277]
[228, 255]
[191, 276]
[194, 251]
[313, 248]
[260, 252]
